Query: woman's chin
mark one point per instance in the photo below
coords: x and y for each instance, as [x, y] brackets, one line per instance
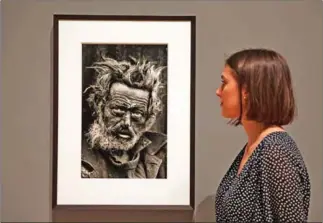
[229, 115]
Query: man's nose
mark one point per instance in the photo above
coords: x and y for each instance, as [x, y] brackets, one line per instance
[127, 119]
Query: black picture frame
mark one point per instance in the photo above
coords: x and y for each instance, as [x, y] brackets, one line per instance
[68, 212]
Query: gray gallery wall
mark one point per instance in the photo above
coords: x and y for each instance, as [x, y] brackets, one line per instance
[294, 28]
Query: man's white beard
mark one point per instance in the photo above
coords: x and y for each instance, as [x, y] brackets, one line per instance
[100, 136]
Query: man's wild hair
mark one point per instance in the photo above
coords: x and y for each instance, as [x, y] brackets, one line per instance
[137, 73]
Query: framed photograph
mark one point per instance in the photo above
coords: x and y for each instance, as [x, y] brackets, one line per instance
[124, 111]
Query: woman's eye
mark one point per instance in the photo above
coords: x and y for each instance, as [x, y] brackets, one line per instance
[222, 84]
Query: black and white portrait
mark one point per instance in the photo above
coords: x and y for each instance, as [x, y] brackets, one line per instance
[124, 111]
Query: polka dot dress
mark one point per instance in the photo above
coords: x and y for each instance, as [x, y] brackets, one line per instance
[273, 185]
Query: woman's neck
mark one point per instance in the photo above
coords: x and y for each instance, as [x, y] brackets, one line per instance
[256, 132]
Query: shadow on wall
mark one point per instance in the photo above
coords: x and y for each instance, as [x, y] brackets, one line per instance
[205, 211]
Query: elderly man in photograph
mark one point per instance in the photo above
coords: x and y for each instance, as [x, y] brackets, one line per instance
[125, 101]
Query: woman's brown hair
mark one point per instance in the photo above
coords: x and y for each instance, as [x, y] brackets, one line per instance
[266, 77]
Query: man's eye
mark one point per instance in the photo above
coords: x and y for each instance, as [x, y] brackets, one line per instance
[136, 115]
[118, 111]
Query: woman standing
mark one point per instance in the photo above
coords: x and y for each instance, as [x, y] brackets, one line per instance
[268, 180]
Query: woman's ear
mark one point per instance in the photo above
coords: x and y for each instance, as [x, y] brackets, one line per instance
[244, 100]
[244, 93]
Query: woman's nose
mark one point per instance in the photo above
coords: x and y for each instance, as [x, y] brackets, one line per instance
[218, 92]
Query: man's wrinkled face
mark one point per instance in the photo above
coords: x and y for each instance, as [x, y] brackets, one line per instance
[125, 116]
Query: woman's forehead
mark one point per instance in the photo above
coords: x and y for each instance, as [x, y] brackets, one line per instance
[227, 72]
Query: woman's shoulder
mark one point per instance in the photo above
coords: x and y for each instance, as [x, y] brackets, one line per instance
[278, 141]
[281, 138]
[279, 148]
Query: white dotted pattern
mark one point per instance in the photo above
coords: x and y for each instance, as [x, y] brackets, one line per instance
[274, 185]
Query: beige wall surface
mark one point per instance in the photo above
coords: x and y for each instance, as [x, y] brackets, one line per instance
[294, 28]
